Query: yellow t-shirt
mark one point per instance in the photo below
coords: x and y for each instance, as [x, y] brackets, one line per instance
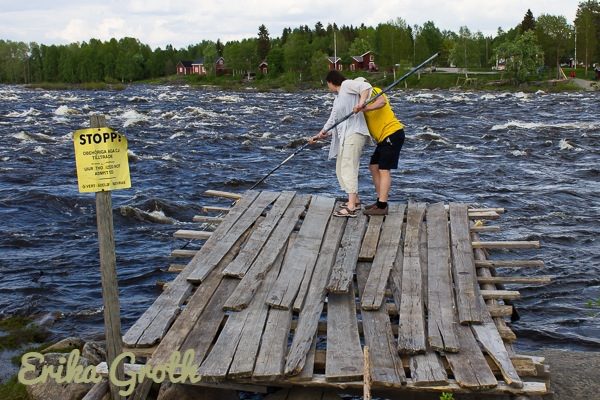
[382, 122]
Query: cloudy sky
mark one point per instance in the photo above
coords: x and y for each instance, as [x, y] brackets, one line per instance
[183, 22]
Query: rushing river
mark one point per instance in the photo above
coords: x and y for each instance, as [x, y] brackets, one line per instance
[536, 155]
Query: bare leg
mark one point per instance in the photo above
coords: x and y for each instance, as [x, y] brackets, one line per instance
[352, 199]
[374, 168]
[385, 183]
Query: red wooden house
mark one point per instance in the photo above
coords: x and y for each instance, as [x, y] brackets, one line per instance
[335, 62]
[198, 67]
[184, 68]
[364, 62]
[263, 67]
[220, 66]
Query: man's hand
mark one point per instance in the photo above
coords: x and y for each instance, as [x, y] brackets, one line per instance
[358, 108]
[317, 137]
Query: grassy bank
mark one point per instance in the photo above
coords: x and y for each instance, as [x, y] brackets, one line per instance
[292, 82]
[437, 80]
[16, 333]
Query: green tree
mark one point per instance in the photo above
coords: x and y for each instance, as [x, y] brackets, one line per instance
[359, 46]
[466, 50]
[523, 56]
[429, 41]
[295, 51]
[209, 53]
[587, 25]
[219, 47]
[553, 34]
[276, 61]
[318, 65]
[393, 43]
[528, 23]
[264, 43]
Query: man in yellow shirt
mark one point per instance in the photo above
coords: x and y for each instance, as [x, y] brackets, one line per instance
[388, 132]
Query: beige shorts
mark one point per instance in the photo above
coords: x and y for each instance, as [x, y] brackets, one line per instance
[348, 161]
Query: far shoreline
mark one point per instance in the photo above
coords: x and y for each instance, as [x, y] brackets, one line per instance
[429, 81]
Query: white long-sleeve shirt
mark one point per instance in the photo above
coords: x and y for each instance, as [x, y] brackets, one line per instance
[343, 104]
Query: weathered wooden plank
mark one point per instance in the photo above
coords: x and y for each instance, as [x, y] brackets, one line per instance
[297, 272]
[387, 249]
[386, 366]
[191, 235]
[183, 253]
[259, 237]
[441, 328]
[319, 380]
[344, 353]
[203, 333]
[509, 263]
[240, 331]
[155, 321]
[411, 329]
[219, 193]
[216, 209]
[256, 274]
[427, 369]
[489, 336]
[500, 294]
[311, 312]
[347, 255]
[98, 391]
[369, 244]
[463, 266]
[175, 268]
[469, 366]
[247, 351]
[304, 287]
[202, 267]
[483, 229]
[498, 210]
[483, 215]
[309, 366]
[544, 280]
[207, 219]
[201, 305]
[525, 365]
[271, 357]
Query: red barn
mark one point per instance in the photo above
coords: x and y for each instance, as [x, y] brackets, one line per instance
[364, 62]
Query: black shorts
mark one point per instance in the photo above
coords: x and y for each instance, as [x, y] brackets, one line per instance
[387, 152]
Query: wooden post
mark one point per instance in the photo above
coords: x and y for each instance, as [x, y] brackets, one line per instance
[108, 270]
[366, 374]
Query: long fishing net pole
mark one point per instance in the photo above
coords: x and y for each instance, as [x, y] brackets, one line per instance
[371, 100]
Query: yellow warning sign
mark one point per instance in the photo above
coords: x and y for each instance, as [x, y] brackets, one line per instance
[101, 158]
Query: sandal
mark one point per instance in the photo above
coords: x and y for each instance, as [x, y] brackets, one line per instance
[346, 213]
[345, 204]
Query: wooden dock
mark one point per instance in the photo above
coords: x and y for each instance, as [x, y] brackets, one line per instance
[282, 294]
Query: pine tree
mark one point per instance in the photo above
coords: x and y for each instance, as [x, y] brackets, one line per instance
[264, 43]
[528, 23]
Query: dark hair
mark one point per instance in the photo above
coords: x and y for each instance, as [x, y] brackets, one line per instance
[335, 77]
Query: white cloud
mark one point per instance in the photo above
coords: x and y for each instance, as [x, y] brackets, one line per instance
[162, 22]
